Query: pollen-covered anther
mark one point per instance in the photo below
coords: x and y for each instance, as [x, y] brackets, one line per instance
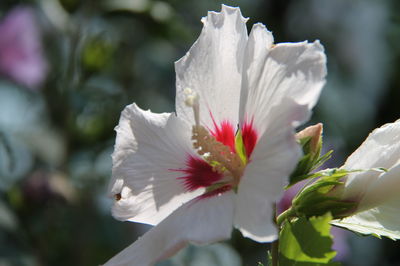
[217, 154]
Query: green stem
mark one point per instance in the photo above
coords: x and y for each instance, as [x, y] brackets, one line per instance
[275, 252]
[284, 215]
[275, 245]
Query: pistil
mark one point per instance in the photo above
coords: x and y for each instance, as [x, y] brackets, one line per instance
[218, 155]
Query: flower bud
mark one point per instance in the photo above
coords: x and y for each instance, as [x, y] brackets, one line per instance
[375, 187]
[378, 159]
[312, 138]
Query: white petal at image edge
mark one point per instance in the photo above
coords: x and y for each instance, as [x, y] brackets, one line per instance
[379, 221]
[380, 149]
[200, 221]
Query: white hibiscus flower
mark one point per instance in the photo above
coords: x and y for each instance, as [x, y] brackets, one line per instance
[223, 159]
[377, 192]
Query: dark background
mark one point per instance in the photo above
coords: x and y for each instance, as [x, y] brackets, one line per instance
[56, 139]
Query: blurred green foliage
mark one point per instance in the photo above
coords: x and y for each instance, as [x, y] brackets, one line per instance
[56, 142]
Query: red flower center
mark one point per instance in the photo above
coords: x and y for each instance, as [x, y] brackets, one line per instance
[224, 134]
[250, 137]
[198, 173]
[201, 173]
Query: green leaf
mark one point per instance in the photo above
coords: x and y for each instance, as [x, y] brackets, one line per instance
[306, 242]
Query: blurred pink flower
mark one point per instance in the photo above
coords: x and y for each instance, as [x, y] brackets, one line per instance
[286, 200]
[21, 55]
[340, 244]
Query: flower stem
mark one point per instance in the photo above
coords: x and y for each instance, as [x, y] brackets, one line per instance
[275, 252]
[284, 215]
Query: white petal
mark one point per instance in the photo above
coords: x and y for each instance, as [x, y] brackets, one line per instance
[381, 221]
[199, 221]
[274, 158]
[148, 145]
[212, 68]
[380, 149]
[254, 214]
[384, 189]
[295, 70]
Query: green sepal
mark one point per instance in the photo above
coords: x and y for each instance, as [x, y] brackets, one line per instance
[306, 242]
[305, 144]
[316, 199]
[310, 161]
[379, 169]
[322, 159]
